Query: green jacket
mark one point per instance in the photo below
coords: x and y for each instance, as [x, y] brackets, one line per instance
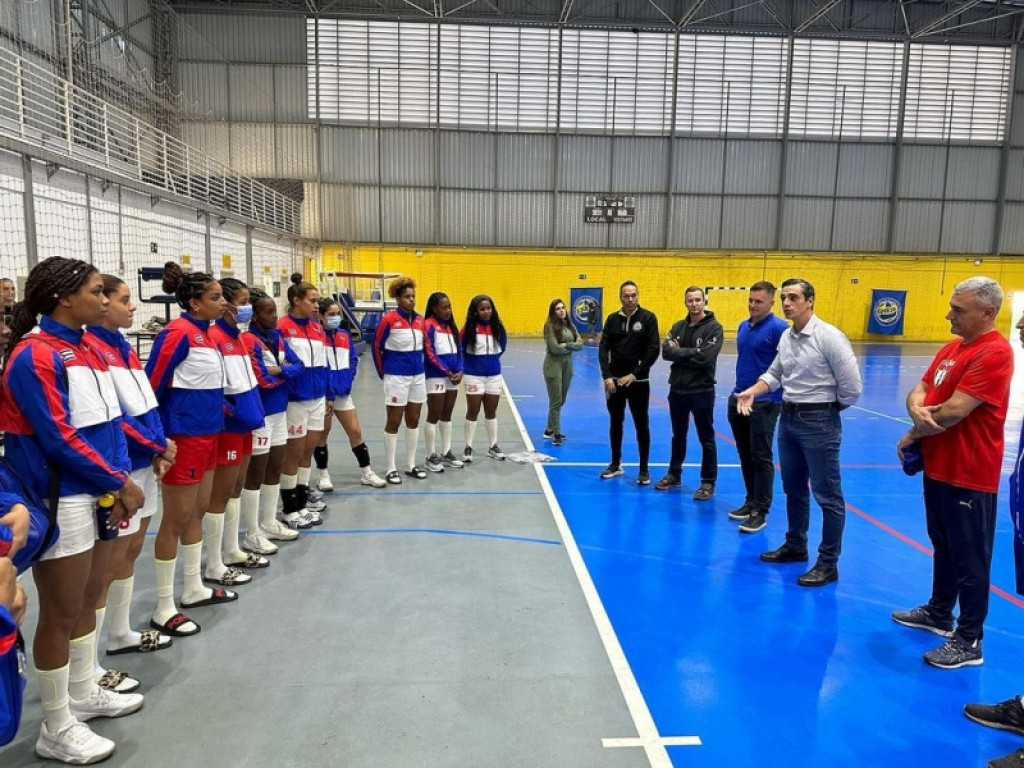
[559, 357]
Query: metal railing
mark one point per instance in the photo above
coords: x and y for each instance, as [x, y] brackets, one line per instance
[39, 108]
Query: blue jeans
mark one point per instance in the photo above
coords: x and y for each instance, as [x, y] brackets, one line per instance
[809, 451]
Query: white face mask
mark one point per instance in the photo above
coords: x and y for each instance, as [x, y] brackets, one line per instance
[332, 323]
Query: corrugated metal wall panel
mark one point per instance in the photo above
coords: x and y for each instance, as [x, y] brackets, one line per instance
[407, 157]
[467, 217]
[311, 211]
[205, 85]
[351, 213]
[252, 149]
[698, 165]
[806, 224]
[266, 38]
[749, 222]
[811, 168]
[467, 160]
[860, 225]
[32, 22]
[973, 173]
[524, 219]
[349, 154]
[251, 92]
[695, 222]
[526, 162]
[296, 148]
[752, 167]
[921, 172]
[865, 170]
[1015, 175]
[1017, 123]
[290, 103]
[967, 227]
[640, 165]
[570, 229]
[408, 215]
[586, 164]
[213, 139]
[917, 226]
[648, 231]
[1012, 236]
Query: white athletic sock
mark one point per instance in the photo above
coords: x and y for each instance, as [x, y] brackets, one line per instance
[119, 604]
[250, 506]
[98, 671]
[412, 441]
[390, 446]
[165, 607]
[268, 503]
[230, 547]
[302, 478]
[288, 482]
[430, 438]
[492, 431]
[470, 431]
[81, 666]
[213, 538]
[446, 436]
[192, 562]
[53, 695]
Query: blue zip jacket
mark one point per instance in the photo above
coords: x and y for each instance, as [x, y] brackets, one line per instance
[342, 362]
[266, 350]
[307, 340]
[484, 358]
[241, 390]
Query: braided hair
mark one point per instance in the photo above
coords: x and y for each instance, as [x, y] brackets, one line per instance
[231, 287]
[184, 286]
[48, 282]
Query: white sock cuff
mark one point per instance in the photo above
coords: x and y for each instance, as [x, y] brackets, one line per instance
[302, 478]
[288, 482]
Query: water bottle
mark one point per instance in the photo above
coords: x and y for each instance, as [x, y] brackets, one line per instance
[104, 506]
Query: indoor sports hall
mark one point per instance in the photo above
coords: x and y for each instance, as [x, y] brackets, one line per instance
[527, 612]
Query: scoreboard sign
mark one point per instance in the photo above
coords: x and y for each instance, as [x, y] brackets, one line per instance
[609, 209]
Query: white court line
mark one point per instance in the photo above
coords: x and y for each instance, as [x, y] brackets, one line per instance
[649, 738]
[901, 420]
[668, 741]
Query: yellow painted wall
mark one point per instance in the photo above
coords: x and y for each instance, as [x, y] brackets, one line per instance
[523, 282]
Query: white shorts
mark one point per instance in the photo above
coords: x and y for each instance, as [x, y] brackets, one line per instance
[273, 433]
[146, 480]
[76, 516]
[306, 416]
[344, 403]
[402, 390]
[440, 385]
[483, 385]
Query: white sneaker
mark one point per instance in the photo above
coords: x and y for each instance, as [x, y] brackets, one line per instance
[297, 522]
[75, 743]
[258, 542]
[313, 515]
[315, 506]
[103, 703]
[373, 479]
[276, 530]
[324, 482]
[313, 496]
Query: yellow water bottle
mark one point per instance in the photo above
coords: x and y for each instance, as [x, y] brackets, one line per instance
[104, 506]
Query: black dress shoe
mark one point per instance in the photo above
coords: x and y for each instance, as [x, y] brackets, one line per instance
[785, 554]
[819, 576]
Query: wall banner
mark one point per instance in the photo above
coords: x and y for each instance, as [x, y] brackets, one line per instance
[586, 310]
[887, 308]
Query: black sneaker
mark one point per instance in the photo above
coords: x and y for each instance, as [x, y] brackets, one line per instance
[548, 434]
[755, 522]
[742, 513]
[670, 480]
[785, 554]
[643, 478]
[921, 618]
[1012, 760]
[955, 653]
[612, 470]
[1006, 715]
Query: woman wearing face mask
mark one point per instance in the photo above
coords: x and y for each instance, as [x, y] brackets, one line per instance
[341, 365]
[561, 340]
[443, 366]
[234, 445]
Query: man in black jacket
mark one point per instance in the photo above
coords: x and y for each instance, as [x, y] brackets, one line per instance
[692, 347]
[629, 347]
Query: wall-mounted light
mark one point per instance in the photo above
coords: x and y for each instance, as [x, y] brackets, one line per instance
[977, 262]
[419, 251]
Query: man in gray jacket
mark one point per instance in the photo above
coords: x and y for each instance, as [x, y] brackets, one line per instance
[692, 347]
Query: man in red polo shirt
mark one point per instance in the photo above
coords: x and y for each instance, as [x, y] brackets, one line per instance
[959, 408]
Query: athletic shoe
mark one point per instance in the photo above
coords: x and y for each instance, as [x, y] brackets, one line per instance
[1006, 715]
[103, 703]
[450, 461]
[557, 439]
[549, 433]
[1012, 760]
[643, 478]
[372, 479]
[75, 743]
[467, 455]
[275, 529]
[755, 522]
[315, 506]
[612, 470]
[742, 513]
[258, 542]
[955, 653]
[393, 477]
[324, 482]
[313, 495]
[434, 463]
[314, 516]
[298, 522]
[495, 452]
[921, 618]
[670, 480]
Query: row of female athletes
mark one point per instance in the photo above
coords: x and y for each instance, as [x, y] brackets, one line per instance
[224, 421]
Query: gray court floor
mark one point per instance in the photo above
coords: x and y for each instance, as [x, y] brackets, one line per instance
[438, 623]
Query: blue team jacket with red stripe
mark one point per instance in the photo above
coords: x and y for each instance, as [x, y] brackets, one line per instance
[441, 344]
[306, 338]
[241, 389]
[342, 362]
[187, 375]
[60, 407]
[484, 358]
[398, 345]
[141, 411]
[268, 350]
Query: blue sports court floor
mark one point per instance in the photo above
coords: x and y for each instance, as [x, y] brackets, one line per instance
[730, 650]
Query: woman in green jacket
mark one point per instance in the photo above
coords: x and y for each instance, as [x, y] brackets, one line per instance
[561, 340]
